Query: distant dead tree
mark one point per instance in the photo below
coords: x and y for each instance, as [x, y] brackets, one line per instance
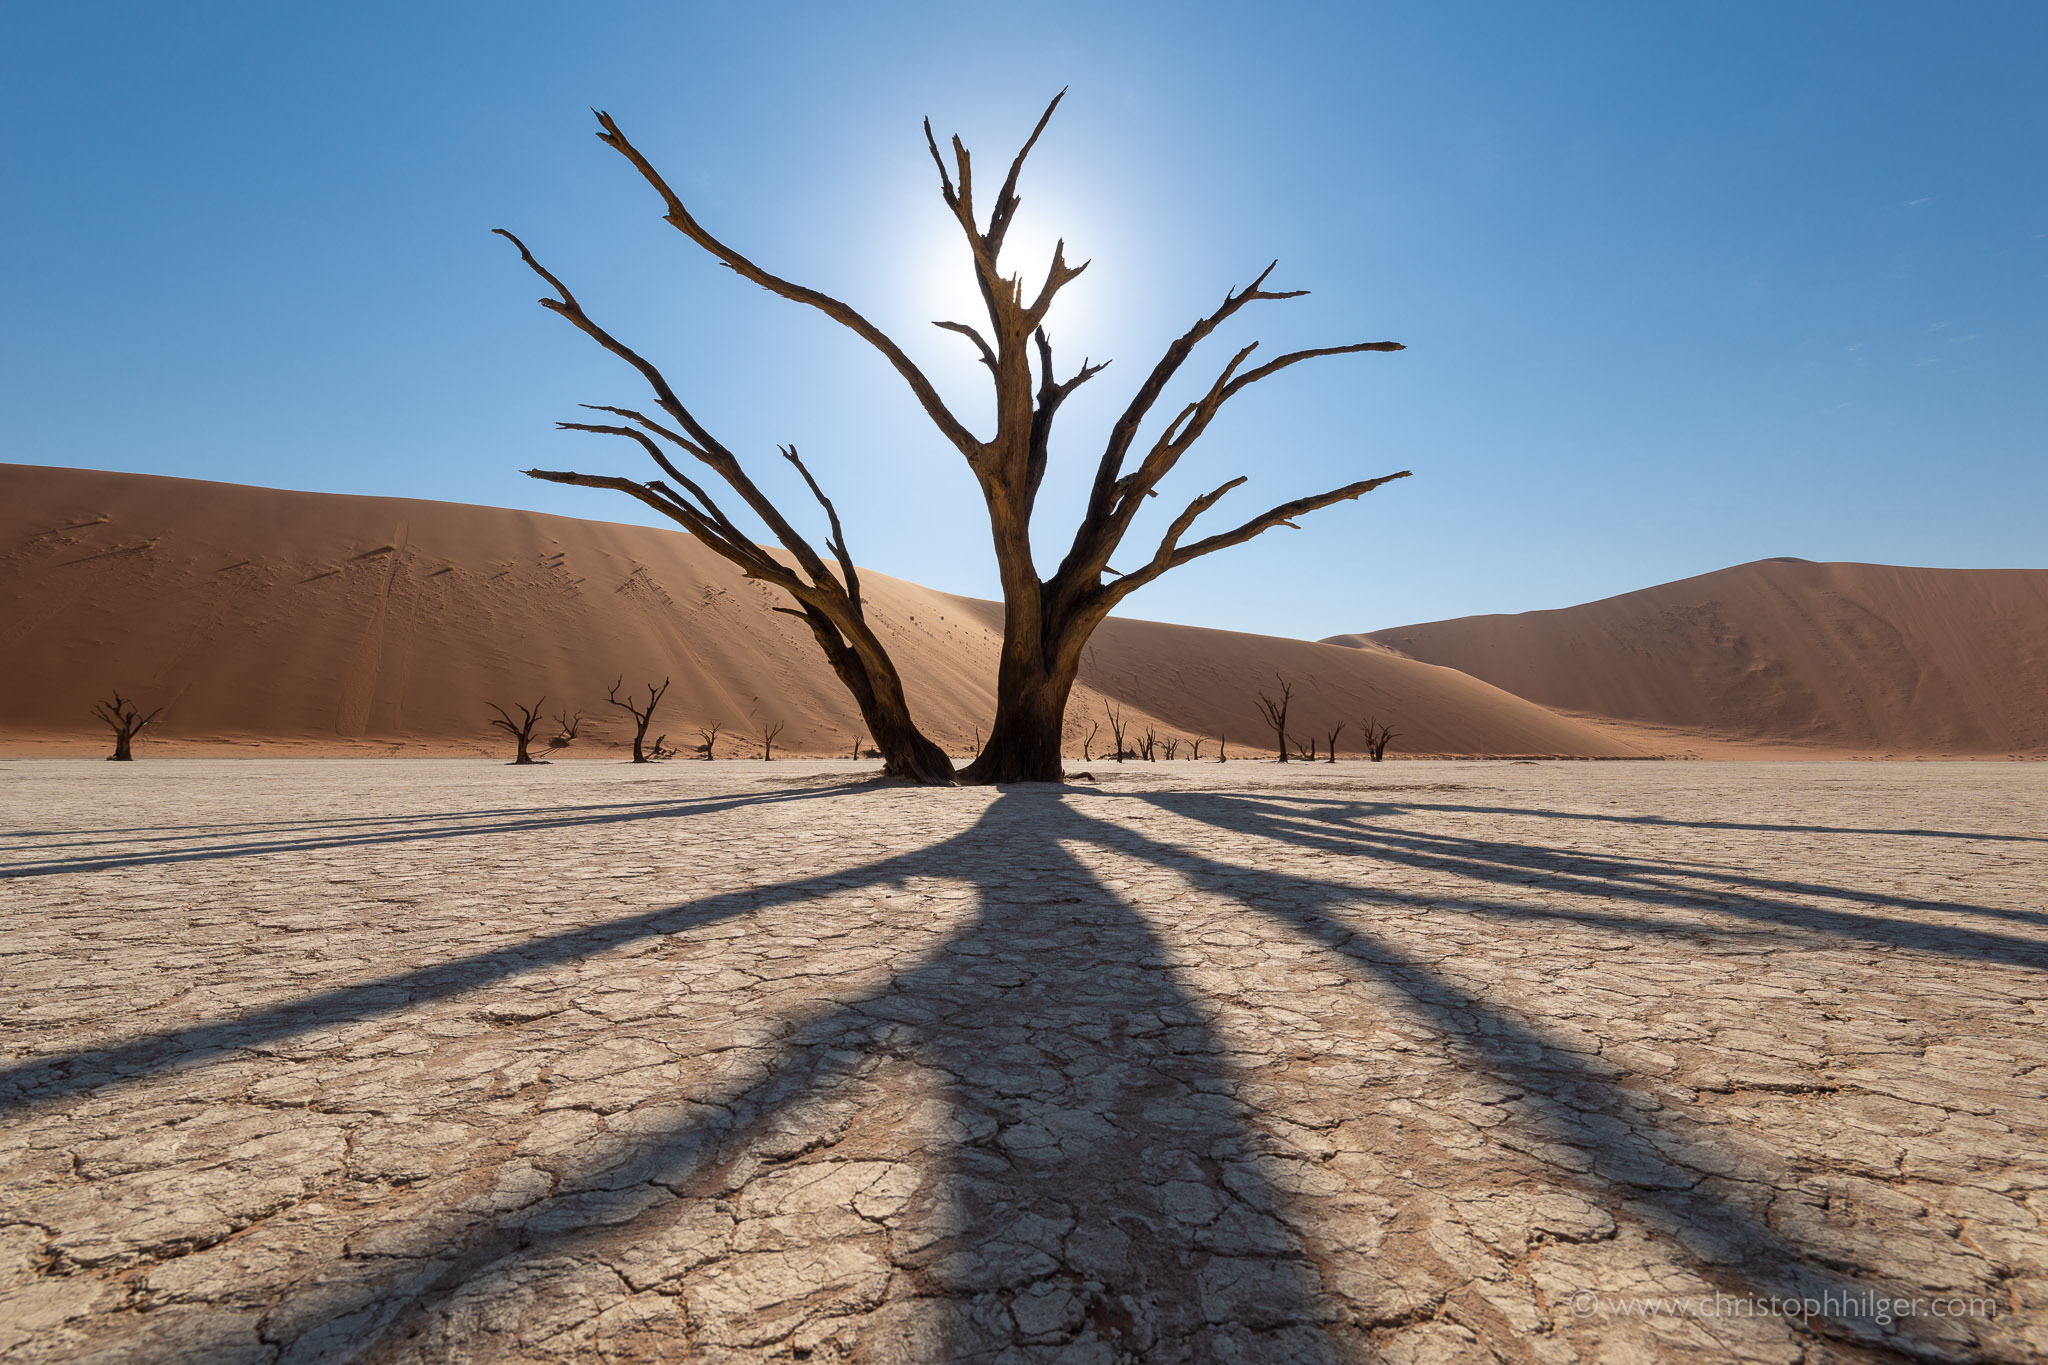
[565, 733]
[1222, 748]
[1195, 750]
[858, 736]
[1276, 713]
[126, 720]
[1148, 747]
[1333, 744]
[710, 737]
[641, 714]
[1305, 752]
[1116, 728]
[660, 751]
[1094, 728]
[1047, 621]
[1171, 747]
[768, 741]
[1377, 737]
[521, 729]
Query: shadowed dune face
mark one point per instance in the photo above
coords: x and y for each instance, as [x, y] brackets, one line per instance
[1864, 657]
[322, 623]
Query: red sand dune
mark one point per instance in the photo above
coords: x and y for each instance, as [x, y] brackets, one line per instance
[280, 622]
[1847, 657]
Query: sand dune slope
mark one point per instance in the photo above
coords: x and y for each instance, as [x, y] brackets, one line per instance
[1863, 657]
[303, 622]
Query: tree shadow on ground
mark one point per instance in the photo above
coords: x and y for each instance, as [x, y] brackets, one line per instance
[1091, 1176]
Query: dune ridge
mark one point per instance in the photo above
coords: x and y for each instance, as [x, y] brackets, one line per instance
[1865, 658]
[268, 621]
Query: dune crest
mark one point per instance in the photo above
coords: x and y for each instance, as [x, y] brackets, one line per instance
[284, 622]
[1852, 657]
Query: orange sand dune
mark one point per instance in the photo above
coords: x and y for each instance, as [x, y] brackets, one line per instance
[315, 623]
[1859, 657]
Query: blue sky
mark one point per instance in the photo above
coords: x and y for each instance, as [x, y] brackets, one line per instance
[1683, 285]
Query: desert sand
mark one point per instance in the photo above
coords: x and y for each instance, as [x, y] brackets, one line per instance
[282, 622]
[1783, 655]
[428, 1060]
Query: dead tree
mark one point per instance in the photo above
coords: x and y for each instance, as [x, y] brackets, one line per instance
[1148, 747]
[1276, 713]
[521, 729]
[1305, 752]
[641, 714]
[858, 736]
[1377, 737]
[1223, 748]
[1195, 751]
[1094, 728]
[565, 733]
[126, 720]
[1172, 747]
[710, 737]
[768, 741]
[1046, 621]
[660, 751]
[1333, 744]
[1116, 728]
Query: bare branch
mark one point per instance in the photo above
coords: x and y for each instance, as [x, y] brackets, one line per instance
[1006, 199]
[1171, 554]
[684, 222]
[837, 544]
[988, 356]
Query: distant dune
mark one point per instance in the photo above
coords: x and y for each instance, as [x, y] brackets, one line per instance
[1848, 657]
[296, 623]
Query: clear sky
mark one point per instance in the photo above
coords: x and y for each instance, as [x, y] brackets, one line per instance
[1684, 285]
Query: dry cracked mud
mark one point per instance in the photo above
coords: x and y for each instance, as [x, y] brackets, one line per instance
[398, 1061]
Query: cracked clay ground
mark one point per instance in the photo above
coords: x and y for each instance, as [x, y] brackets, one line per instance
[443, 1060]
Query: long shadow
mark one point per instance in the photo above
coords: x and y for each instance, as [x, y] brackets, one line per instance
[427, 827]
[1093, 1141]
[1342, 828]
[1094, 1178]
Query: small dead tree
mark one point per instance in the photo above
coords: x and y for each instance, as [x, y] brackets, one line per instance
[660, 752]
[521, 730]
[565, 733]
[1094, 728]
[641, 714]
[1333, 744]
[1223, 748]
[768, 741]
[710, 737]
[1171, 746]
[1195, 751]
[1148, 747]
[1305, 752]
[1377, 737]
[126, 720]
[1116, 728]
[858, 736]
[1276, 713]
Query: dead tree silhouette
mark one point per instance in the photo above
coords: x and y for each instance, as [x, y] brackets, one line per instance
[768, 741]
[1275, 711]
[126, 720]
[565, 734]
[1377, 738]
[1333, 744]
[521, 730]
[641, 715]
[709, 734]
[1116, 728]
[1047, 622]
